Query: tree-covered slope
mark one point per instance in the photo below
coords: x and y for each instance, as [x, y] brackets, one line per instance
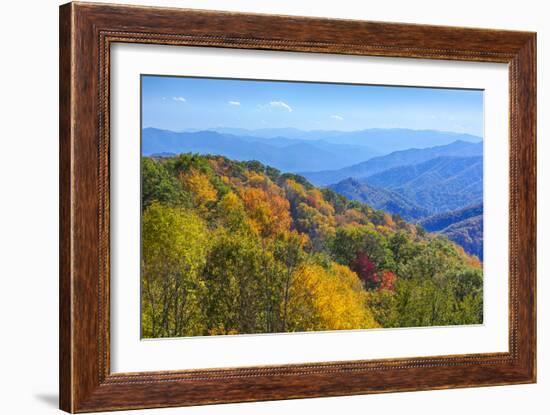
[379, 198]
[234, 247]
[468, 234]
[438, 185]
[442, 220]
[463, 226]
[418, 192]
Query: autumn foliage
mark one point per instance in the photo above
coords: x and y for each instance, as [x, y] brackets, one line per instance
[237, 247]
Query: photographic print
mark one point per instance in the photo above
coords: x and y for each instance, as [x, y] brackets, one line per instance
[283, 206]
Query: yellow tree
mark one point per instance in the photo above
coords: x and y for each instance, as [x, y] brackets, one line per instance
[316, 200]
[174, 246]
[328, 299]
[199, 186]
[269, 213]
[231, 211]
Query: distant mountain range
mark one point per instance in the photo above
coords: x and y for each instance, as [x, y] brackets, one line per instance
[396, 159]
[286, 154]
[381, 140]
[463, 226]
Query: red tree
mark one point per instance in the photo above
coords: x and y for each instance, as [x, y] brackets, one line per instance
[387, 281]
[366, 270]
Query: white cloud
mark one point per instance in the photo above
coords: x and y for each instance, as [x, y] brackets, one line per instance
[281, 104]
[235, 103]
[179, 99]
[337, 117]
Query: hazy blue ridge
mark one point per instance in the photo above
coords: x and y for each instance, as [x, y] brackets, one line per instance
[396, 139]
[290, 155]
[396, 159]
[383, 140]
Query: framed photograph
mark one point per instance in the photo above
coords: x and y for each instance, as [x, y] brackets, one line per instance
[260, 207]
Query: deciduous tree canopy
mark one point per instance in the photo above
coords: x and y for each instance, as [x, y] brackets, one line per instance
[237, 247]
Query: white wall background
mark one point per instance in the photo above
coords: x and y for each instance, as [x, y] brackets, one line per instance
[29, 207]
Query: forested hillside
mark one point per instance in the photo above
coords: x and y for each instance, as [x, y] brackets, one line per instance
[438, 185]
[442, 220]
[380, 198]
[468, 234]
[463, 226]
[234, 247]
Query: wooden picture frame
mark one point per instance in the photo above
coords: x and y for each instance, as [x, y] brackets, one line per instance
[86, 33]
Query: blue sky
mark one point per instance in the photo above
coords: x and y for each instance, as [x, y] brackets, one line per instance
[179, 103]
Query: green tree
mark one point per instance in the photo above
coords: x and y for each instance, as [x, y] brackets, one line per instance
[174, 246]
[244, 285]
[350, 240]
[231, 212]
[347, 242]
[158, 185]
[288, 250]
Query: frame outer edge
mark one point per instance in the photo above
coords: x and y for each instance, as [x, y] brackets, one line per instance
[66, 120]
[528, 221]
[82, 388]
[523, 113]
[534, 230]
